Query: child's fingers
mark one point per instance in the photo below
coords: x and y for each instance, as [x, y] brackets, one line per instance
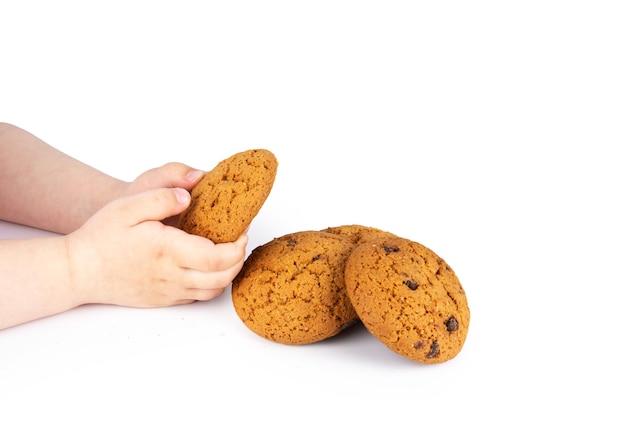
[205, 285]
[200, 254]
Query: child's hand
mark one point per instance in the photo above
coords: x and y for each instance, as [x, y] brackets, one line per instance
[125, 255]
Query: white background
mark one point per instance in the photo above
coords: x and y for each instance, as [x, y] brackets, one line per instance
[493, 132]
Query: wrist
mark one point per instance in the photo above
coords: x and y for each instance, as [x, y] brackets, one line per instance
[81, 271]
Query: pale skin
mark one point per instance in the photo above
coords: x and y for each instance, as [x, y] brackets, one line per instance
[117, 241]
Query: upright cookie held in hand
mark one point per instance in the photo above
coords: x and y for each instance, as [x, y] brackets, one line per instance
[226, 200]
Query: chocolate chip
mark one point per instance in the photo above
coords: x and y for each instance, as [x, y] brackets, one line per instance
[411, 284]
[389, 249]
[317, 257]
[452, 324]
[434, 350]
[292, 243]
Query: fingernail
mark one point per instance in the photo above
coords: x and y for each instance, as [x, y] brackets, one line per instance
[194, 175]
[182, 196]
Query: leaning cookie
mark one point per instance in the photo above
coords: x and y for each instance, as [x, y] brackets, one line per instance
[291, 290]
[226, 200]
[409, 298]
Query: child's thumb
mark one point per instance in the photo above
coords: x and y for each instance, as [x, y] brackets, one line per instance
[152, 205]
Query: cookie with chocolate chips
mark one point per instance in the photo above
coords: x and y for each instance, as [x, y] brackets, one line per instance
[227, 198]
[291, 289]
[409, 298]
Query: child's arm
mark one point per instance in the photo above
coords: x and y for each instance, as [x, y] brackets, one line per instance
[42, 187]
